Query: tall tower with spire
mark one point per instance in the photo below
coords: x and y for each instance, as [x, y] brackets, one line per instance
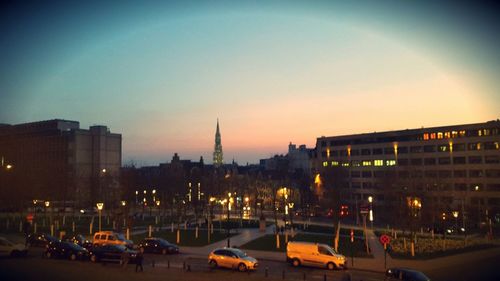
[218, 158]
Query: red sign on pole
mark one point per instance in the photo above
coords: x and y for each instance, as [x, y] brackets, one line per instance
[385, 239]
[352, 235]
[29, 217]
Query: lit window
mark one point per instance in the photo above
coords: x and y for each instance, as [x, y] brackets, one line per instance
[345, 164]
[426, 136]
[447, 135]
[486, 132]
[378, 162]
[479, 132]
[390, 162]
[325, 164]
[462, 133]
[327, 152]
[454, 134]
[433, 136]
[335, 163]
[440, 135]
[367, 163]
[355, 163]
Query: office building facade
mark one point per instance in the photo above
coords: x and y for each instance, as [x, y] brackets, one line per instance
[449, 173]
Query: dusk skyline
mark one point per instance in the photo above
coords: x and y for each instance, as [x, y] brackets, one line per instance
[161, 74]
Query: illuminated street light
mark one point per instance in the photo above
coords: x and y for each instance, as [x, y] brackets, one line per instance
[47, 204]
[100, 206]
[104, 170]
[9, 166]
[124, 203]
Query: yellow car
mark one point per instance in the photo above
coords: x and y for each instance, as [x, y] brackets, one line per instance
[231, 258]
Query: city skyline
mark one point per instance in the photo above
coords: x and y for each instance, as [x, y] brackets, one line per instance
[272, 74]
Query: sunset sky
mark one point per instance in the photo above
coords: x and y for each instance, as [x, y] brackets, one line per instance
[271, 71]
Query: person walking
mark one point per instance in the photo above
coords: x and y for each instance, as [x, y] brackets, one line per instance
[139, 259]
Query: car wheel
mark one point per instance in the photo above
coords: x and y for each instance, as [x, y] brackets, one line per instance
[164, 251]
[213, 264]
[48, 255]
[295, 262]
[72, 257]
[331, 266]
[93, 258]
[242, 267]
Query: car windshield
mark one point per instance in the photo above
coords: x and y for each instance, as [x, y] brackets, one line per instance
[7, 242]
[120, 237]
[74, 246]
[239, 253]
[163, 242]
[418, 276]
[326, 250]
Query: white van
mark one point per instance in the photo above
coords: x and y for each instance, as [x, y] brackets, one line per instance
[314, 254]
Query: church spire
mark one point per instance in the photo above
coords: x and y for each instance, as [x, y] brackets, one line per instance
[218, 158]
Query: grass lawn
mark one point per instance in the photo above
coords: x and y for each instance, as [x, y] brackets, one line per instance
[268, 243]
[329, 230]
[441, 253]
[188, 237]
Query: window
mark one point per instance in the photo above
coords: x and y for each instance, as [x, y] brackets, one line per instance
[390, 162]
[323, 143]
[491, 145]
[493, 187]
[389, 150]
[459, 174]
[325, 164]
[460, 186]
[461, 133]
[403, 162]
[430, 174]
[415, 149]
[403, 150]
[334, 153]
[475, 159]
[324, 251]
[417, 174]
[430, 161]
[458, 146]
[355, 185]
[365, 151]
[367, 163]
[367, 185]
[429, 148]
[492, 173]
[475, 173]
[355, 163]
[444, 174]
[459, 160]
[439, 135]
[377, 151]
[444, 161]
[345, 164]
[324, 154]
[366, 174]
[378, 174]
[447, 135]
[491, 159]
[416, 161]
[343, 152]
[404, 174]
[474, 146]
[335, 163]
[426, 136]
[433, 136]
[378, 162]
[443, 148]
[355, 152]
[355, 174]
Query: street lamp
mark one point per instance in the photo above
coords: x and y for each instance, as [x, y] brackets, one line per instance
[370, 200]
[455, 215]
[136, 194]
[100, 205]
[228, 215]
[124, 203]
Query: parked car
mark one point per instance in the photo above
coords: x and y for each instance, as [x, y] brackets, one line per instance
[406, 274]
[314, 254]
[102, 238]
[232, 258]
[40, 240]
[158, 245]
[79, 240]
[111, 253]
[9, 248]
[66, 250]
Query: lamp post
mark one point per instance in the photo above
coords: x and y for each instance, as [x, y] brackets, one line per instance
[136, 194]
[455, 215]
[229, 199]
[370, 200]
[100, 206]
[47, 205]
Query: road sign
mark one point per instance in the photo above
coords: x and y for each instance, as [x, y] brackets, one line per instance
[352, 235]
[385, 239]
[29, 217]
[364, 210]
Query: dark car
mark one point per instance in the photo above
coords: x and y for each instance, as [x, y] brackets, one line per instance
[405, 274]
[111, 253]
[40, 240]
[158, 245]
[79, 240]
[66, 250]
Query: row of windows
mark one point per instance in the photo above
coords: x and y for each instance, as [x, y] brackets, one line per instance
[475, 187]
[490, 173]
[474, 146]
[414, 137]
[489, 159]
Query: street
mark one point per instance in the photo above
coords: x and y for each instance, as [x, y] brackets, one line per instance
[34, 267]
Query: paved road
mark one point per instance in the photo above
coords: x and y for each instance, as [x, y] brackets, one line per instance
[34, 267]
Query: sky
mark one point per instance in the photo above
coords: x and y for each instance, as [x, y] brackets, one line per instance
[161, 72]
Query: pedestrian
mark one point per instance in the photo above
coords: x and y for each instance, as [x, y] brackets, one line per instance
[124, 259]
[138, 260]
